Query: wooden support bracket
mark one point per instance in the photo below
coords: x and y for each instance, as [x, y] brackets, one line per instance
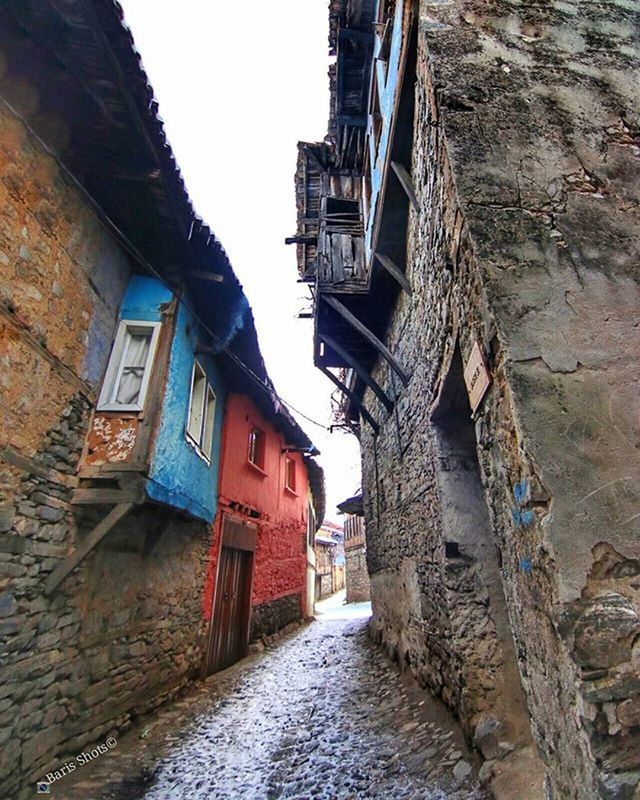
[370, 337]
[354, 398]
[395, 271]
[407, 184]
[362, 372]
[80, 553]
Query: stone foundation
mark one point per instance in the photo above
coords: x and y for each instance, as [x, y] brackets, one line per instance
[268, 618]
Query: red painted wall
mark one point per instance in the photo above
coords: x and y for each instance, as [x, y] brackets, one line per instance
[280, 558]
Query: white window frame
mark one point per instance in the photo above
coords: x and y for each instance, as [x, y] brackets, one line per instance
[204, 449]
[106, 400]
[288, 460]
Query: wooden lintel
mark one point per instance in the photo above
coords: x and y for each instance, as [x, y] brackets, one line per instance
[134, 495]
[107, 470]
[395, 272]
[353, 397]
[362, 372]
[407, 184]
[206, 276]
[366, 333]
[80, 553]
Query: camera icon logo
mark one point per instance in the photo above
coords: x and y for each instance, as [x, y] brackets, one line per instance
[43, 788]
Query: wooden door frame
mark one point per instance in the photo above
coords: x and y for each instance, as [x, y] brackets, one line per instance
[229, 539]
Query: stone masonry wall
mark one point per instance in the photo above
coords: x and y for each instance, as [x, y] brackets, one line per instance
[268, 618]
[123, 631]
[526, 168]
[120, 635]
[356, 575]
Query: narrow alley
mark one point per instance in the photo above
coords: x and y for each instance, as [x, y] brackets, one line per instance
[322, 714]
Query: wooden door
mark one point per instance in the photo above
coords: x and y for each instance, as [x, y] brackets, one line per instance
[229, 630]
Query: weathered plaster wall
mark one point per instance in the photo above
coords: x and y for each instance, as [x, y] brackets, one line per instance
[526, 169]
[179, 475]
[61, 281]
[260, 497]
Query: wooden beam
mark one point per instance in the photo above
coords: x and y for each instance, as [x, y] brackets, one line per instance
[206, 276]
[80, 553]
[302, 238]
[352, 396]
[83, 497]
[362, 372]
[366, 333]
[406, 183]
[395, 271]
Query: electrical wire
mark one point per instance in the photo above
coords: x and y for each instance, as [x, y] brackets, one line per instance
[133, 251]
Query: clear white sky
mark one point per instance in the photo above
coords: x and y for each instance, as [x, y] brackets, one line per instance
[238, 85]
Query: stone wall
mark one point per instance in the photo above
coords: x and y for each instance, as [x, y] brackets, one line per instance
[356, 575]
[526, 169]
[121, 634]
[268, 618]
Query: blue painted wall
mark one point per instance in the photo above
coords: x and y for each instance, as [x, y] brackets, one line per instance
[180, 477]
[387, 88]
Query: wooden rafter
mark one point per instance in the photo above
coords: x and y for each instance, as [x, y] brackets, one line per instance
[362, 372]
[368, 335]
[352, 396]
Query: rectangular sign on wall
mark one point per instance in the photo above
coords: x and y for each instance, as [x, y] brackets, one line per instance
[476, 377]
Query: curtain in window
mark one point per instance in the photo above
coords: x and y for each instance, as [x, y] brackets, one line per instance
[134, 362]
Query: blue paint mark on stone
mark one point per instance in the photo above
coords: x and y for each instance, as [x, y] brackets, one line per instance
[521, 492]
[526, 566]
[522, 518]
[527, 517]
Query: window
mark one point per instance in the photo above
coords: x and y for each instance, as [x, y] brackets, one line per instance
[342, 215]
[290, 474]
[127, 378]
[202, 409]
[256, 447]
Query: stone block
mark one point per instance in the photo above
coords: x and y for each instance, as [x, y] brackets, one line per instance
[49, 514]
[8, 604]
[628, 712]
[604, 633]
[40, 744]
[7, 515]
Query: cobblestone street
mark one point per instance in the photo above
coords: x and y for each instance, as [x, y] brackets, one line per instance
[321, 714]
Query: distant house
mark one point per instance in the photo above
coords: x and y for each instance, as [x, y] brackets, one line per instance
[259, 548]
[129, 357]
[330, 559]
[357, 580]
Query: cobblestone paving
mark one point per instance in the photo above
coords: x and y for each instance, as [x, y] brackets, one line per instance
[322, 714]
